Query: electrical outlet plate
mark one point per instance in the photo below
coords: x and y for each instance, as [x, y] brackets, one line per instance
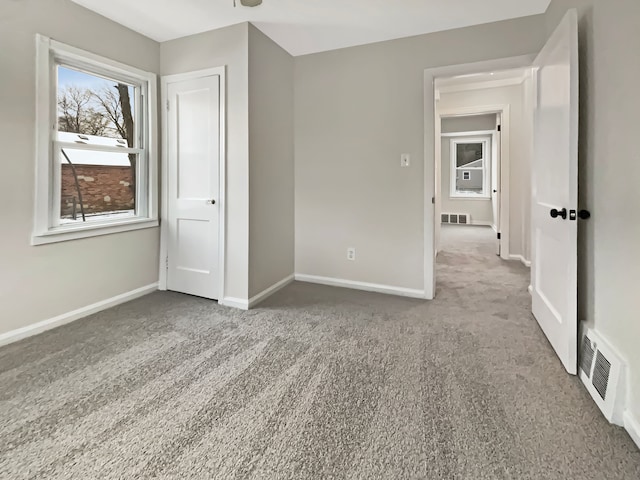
[351, 253]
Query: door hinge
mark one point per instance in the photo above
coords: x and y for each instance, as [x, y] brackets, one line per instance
[499, 236]
[167, 105]
[499, 128]
[166, 262]
[433, 200]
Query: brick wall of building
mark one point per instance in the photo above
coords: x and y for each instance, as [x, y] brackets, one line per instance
[104, 189]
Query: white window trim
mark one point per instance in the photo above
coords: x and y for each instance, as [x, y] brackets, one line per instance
[487, 141]
[46, 111]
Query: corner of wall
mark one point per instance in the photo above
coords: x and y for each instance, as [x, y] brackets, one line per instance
[271, 165]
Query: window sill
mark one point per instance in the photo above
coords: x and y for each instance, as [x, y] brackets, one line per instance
[74, 232]
[470, 198]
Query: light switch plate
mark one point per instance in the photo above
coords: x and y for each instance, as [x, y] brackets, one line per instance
[405, 160]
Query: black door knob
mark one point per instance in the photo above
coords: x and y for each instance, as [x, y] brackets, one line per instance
[559, 213]
[211, 202]
[584, 214]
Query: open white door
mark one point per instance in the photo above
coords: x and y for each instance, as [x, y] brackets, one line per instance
[193, 180]
[495, 180]
[555, 192]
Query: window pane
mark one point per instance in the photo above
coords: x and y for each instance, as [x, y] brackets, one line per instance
[470, 181]
[94, 105]
[97, 185]
[469, 155]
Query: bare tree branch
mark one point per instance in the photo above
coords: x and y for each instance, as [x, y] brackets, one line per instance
[78, 114]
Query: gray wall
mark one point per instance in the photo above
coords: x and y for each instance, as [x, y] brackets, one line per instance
[227, 46]
[468, 124]
[260, 193]
[609, 165]
[38, 283]
[481, 210]
[356, 111]
[271, 191]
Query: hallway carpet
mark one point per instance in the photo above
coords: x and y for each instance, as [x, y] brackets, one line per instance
[316, 383]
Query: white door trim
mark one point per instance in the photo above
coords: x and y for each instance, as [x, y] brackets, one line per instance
[164, 187]
[505, 112]
[430, 188]
[468, 134]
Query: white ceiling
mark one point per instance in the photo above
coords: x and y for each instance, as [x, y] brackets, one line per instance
[480, 81]
[466, 81]
[309, 26]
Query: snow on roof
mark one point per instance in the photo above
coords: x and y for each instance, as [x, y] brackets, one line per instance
[474, 164]
[88, 157]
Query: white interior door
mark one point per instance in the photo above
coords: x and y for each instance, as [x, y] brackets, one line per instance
[495, 180]
[193, 143]
[555, 192]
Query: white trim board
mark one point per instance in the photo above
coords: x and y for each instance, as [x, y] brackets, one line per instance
[234, 302]
[367, 287]
[243, 304]
[267, 292]
[481, 223]
[468, 134]
[474, 223]
[520, 258]
[632, 426]
[51, 323]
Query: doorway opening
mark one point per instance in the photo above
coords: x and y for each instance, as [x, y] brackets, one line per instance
[470, 186]
[483, 152]
[548, 226]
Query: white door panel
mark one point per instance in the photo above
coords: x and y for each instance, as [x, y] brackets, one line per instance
[555, 187]
[193, 181]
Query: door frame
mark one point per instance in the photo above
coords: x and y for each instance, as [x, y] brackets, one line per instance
[164, 184]
[503, 163]
[430, 74]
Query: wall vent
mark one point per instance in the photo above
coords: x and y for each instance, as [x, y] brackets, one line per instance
[456, 218]
[586, 356]
[602, 372]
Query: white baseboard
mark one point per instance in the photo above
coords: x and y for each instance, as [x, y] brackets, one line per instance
[233, 302]
[243, 304]
[482, 224]
[633, 427]
[36, 328]
[524, 261]
[367, 287]
[253, 301]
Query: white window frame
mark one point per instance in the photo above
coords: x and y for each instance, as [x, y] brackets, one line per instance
[50, 54]
[487, 141]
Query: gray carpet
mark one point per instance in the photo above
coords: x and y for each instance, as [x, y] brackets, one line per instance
[318, 382]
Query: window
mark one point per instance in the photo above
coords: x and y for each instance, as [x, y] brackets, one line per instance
[96, 158]
[470, 164]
